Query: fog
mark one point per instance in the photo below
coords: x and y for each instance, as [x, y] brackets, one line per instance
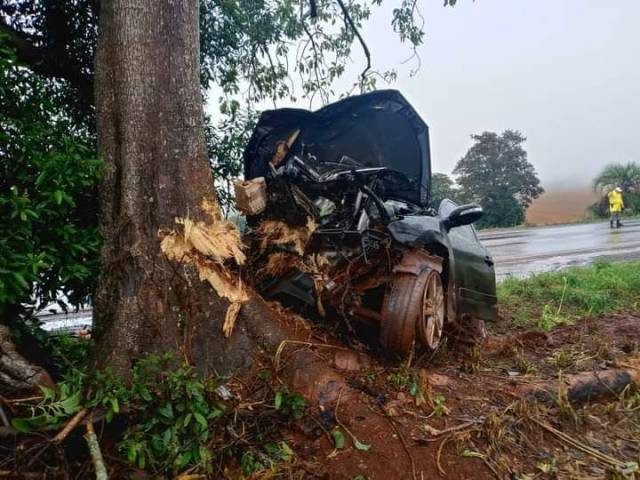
[565, 73]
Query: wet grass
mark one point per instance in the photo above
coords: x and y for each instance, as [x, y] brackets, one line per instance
[550, 299]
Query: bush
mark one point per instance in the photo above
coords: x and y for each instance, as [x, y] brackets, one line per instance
[631, 203]
[49, 240]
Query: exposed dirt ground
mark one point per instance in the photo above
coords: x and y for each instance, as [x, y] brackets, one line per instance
[500, 410]
[471, 415]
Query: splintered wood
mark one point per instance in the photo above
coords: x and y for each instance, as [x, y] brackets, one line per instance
[279, 233]
[207, 246]
[251, 195]
[274, 232]
[280, 263]
[282, 148]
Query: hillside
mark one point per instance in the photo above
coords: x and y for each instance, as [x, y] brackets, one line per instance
[561, 206]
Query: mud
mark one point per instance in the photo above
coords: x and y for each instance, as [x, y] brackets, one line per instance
[458, 415]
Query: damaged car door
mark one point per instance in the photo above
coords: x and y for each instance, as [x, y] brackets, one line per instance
[474, 268]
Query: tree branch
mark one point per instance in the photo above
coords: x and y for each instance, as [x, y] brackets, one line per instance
[47, 62]
[353, 27]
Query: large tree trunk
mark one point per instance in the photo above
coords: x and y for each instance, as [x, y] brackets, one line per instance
[150, 137]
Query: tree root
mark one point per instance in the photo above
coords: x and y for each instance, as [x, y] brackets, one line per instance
[585, 387]
[16, 373]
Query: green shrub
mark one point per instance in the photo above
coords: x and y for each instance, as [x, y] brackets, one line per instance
[172, 413]
[49, 239]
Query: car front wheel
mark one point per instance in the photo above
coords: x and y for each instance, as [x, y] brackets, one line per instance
[414, 306]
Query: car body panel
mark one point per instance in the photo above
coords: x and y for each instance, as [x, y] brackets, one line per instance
[378, 129]
[473, 270]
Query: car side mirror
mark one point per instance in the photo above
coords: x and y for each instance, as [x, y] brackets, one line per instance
[463, 215]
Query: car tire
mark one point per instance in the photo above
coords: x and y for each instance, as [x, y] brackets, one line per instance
[401, 308]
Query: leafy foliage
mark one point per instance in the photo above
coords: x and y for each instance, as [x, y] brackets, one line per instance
[49, 239]
[55, 407]
[614, 175]
[495, 172]
[247, 49]
[56, 39]
[173, 410]
[291, 404]
[265, 459]
[175, 420]
[442, 186]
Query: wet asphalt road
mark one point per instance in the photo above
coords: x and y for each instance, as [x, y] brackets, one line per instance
[521, 252]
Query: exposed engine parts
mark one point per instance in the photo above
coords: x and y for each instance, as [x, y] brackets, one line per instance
[338, 218]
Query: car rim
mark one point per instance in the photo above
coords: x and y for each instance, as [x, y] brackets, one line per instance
[431, 322]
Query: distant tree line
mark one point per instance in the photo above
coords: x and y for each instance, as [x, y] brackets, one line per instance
[494, 173]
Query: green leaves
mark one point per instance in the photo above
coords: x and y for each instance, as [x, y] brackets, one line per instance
[496, 173]
[55, 408]
[49, 240]
[361, 446]
[176, 414]
[338, 439]
[200, 419]
[291, 404]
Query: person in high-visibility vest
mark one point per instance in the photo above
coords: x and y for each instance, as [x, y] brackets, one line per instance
[616, 205]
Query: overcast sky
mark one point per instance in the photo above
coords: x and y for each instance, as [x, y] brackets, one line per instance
[564, 72]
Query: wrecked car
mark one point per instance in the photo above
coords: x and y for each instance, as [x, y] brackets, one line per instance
[337, 202]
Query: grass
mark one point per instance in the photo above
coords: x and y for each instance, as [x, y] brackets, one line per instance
[550, 299]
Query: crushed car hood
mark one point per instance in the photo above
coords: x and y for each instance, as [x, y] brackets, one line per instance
[378, 129]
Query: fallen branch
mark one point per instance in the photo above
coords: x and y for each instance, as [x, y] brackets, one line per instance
[404, 445]
[444, 440]
[35, 398]
[585, 386]
[96, 454]
[579, 445]
[438, 433]
[73, 423]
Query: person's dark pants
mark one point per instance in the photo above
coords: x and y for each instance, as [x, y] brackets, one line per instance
[615, 218]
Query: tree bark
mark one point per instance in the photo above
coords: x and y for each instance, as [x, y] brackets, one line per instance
[151, 139]
[16, 373]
